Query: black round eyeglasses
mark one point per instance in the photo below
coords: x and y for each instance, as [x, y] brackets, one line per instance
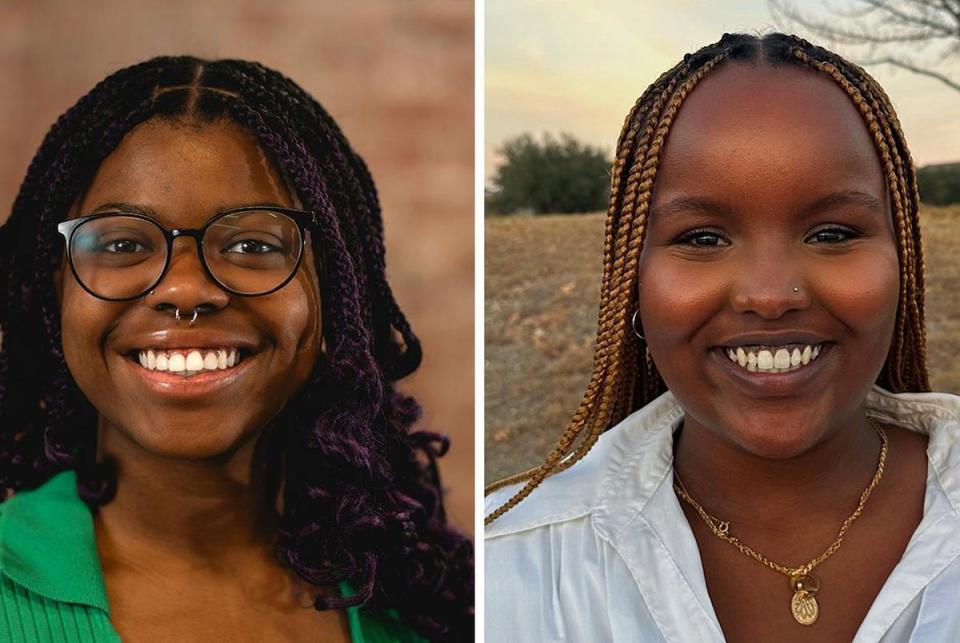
[249, 251]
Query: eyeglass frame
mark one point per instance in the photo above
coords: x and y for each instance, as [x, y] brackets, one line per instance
[299, 217]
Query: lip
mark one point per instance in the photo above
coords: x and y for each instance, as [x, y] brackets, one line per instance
[774, 339]
[178, 386]
[774, 384]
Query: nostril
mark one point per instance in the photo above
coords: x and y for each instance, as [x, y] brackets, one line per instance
[187, 314]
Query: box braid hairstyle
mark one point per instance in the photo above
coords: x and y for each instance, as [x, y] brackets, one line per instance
[624, 376]
[362, 498]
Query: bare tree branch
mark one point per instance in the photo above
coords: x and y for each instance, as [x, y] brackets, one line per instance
[917, 70]
[953, 9]
[922, 36]
[906, 19]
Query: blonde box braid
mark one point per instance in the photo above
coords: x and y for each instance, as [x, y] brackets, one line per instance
[624, 376]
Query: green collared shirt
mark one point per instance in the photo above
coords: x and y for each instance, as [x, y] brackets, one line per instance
[51, 586]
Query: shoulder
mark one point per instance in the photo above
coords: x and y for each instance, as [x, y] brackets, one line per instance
[934, 415]
[927, 411]
[29, 517]
[370, 627]
[603, 483]
[25, 513]
[31, 616]
[49, 577]
[60, 486]
[560, 551]
[47, 544]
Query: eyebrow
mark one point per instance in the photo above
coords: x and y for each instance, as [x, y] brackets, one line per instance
[845, 197]
[151, 213]
[127, 207]
[704, 205]
[695, 204]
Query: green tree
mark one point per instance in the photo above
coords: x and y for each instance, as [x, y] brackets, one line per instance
[939, 184]
[557, 174]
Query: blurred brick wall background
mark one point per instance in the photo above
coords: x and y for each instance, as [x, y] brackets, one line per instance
[397, 77]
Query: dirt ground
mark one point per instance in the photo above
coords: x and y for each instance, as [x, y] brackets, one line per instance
[542, 293]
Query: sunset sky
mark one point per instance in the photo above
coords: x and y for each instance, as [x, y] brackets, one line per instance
[577, 66]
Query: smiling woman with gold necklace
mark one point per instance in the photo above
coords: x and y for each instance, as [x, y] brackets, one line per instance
[756, 457]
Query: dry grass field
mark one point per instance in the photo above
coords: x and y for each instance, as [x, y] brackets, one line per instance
[542, 281]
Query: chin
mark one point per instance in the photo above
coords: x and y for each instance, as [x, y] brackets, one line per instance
[185, 440]
[774, 447]
[775, 436]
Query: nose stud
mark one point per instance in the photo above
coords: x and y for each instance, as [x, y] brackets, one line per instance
[796, 290]
[193, 319]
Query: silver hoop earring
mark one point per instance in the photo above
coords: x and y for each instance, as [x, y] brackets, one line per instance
[193, 319]
[633, 322]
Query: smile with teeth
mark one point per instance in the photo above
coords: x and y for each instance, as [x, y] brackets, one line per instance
[773, 359]
[187, 362]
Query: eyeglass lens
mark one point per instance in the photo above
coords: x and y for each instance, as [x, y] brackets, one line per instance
[250, 252]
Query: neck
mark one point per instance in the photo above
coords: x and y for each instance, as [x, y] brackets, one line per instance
[212, 512]
[762, 496]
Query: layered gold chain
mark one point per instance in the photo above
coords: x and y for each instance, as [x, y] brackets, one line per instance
[804, 585]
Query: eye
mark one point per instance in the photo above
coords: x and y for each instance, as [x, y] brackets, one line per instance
[701, 238]
[123, 246]
[251, 246]
[833, 235]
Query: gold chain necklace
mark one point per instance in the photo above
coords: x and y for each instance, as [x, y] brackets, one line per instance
[803, 584]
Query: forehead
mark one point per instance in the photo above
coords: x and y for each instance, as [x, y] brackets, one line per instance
[185, 172]
[768, 137]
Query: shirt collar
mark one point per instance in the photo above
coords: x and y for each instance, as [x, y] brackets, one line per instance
[624, 487]
[645, 446]
[629, 503]
[47, 544]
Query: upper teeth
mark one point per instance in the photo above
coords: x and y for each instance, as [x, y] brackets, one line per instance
[187, 361]
[774, 359]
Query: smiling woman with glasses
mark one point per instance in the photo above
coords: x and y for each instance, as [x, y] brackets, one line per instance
[200, 434]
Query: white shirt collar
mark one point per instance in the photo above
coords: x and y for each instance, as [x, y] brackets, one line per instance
[624, 485]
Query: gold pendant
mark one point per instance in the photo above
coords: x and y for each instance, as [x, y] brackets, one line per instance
[804, 605]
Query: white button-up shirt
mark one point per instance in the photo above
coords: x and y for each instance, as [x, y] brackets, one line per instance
[604, 552]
